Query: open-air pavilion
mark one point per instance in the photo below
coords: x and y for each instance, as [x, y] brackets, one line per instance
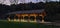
[31, 15]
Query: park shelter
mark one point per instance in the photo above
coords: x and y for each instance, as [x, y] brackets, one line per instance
[28, 15]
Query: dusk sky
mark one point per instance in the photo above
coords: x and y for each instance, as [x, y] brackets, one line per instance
[9, 2]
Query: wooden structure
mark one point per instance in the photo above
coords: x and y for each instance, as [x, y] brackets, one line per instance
[28, 15]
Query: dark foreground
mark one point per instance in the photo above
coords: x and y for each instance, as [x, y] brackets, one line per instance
[24, 25]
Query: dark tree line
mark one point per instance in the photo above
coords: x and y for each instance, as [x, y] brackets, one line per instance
[53, 11]
[20, 7]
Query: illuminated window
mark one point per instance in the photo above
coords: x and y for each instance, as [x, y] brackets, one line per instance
[16, 17]
[32, 17]
[11, 17]
[21, 17]
[39, 18]
[26, 17]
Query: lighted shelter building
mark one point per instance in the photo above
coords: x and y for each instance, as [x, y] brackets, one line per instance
[31, 15]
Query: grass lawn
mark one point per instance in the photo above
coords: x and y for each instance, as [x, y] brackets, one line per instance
[6, 24]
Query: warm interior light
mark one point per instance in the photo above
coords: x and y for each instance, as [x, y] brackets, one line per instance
[43, 14]
[8, 19]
